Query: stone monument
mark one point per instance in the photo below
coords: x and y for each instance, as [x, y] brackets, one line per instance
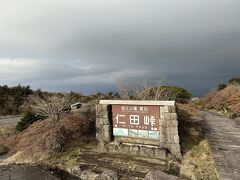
[141, 128]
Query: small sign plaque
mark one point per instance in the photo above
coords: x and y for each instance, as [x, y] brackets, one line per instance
[136, 121]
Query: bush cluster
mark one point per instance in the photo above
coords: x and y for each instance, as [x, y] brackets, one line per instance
[232, 81]
[27, 120]
[167, 93]
[181, 94]
[221, 87]
[235, 80]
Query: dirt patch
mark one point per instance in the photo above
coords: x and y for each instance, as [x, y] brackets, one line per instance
[89, 158]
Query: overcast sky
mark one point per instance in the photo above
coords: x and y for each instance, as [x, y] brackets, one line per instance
[88, 45]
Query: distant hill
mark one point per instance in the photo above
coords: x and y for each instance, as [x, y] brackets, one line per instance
[12, 98]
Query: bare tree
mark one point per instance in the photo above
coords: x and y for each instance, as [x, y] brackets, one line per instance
[52, 105]
[145, 90]
[125, 91]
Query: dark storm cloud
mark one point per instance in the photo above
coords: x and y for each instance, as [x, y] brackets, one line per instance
[89, 44]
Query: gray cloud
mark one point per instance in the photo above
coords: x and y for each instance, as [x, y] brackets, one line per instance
[88, 45]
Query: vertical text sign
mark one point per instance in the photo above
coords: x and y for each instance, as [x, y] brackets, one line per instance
[140, 121]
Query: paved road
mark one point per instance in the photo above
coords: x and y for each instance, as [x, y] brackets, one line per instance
[3, 157]
[7, 120]
[224, 139]
[24, 173]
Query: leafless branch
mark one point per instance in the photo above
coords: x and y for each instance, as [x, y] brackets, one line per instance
[145, 90]
[52, 105]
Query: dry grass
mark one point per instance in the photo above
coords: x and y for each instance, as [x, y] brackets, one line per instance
[226, 101]
[197, 162]
[43, 139]
[190, 126]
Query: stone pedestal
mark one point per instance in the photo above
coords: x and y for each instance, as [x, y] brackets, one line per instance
[169, 138]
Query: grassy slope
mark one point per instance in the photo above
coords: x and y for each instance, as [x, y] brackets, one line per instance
[225, 102]
[43, 140]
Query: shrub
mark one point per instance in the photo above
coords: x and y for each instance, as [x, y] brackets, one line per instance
[54, 140]
[3, 149]
[235, 80]
[169, 93]
[221, 87]
[43, 138]
[181, 94]
[27, 120]
[225, 102]
[153, 90]
[52, 106]
[89, 115]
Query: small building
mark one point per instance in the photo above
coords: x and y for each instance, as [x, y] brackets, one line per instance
[76, 105]
[195, 99]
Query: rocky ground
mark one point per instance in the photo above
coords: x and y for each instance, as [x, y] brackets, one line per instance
[24, 172]
[89, 163]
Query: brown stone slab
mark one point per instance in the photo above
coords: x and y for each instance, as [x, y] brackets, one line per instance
[136, 121]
